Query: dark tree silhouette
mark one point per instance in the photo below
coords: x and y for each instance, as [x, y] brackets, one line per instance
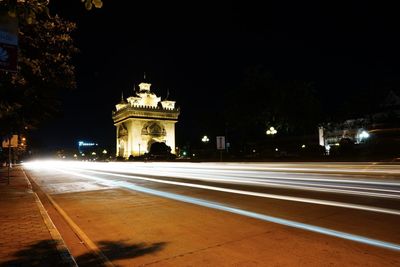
[160, 148]
[30, 96]
[263, 101]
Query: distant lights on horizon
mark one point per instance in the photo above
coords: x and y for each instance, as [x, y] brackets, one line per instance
[82, 143]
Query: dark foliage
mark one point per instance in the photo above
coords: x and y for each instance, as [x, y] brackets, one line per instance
[31, 96]
[263, 101]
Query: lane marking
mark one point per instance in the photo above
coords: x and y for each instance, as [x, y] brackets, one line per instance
[77, 230]
[81, 235]
[61, 247]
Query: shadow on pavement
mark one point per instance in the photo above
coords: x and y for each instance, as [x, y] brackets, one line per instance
[119, 250]
[43, 253]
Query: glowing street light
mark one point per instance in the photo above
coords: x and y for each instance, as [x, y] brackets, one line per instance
[105, 152]
[364, 135]
[271, 131]
[205, 139]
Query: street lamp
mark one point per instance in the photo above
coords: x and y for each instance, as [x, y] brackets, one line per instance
[364, 135]
[205, 139]
[271, 131]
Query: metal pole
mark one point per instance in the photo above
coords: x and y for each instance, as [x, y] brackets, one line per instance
[9, 160]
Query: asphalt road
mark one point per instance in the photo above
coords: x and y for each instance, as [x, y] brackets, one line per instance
[231, 214]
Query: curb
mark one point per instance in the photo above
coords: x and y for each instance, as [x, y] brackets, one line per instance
[82, 236]
[61, 247]
[75, 228]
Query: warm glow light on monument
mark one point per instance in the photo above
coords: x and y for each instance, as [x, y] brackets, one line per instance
[142, 120]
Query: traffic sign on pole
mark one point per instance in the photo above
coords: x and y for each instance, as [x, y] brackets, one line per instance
[221, 142]
[12, 141]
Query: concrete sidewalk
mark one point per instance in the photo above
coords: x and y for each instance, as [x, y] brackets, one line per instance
[27, 235]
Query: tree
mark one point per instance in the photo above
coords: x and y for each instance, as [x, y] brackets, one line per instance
[263, 101]
[29, 9]
[160, 148]
[30, 96]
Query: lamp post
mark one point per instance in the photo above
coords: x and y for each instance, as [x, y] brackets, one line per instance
[205, 140]
[272, 131]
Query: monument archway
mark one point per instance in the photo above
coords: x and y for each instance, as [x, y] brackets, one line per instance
[121, 148]
[143, 119]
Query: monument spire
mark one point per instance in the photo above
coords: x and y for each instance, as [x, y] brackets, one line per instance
[166, 98]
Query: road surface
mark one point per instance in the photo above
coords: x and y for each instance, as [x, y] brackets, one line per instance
[227, 214]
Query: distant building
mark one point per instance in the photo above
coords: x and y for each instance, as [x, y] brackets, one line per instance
[383, 125]
[142, 120]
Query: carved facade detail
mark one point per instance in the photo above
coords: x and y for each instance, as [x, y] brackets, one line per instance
[143, 119]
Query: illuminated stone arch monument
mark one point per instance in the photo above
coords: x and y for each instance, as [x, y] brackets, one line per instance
[142, 120]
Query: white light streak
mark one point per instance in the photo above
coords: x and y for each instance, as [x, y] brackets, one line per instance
[257, 194]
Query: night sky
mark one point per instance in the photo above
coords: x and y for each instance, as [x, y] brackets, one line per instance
[199, 52]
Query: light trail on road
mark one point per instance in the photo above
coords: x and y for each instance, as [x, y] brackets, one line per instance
[218, 206]
[256, 194]
[349, 185]
[339, 182]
